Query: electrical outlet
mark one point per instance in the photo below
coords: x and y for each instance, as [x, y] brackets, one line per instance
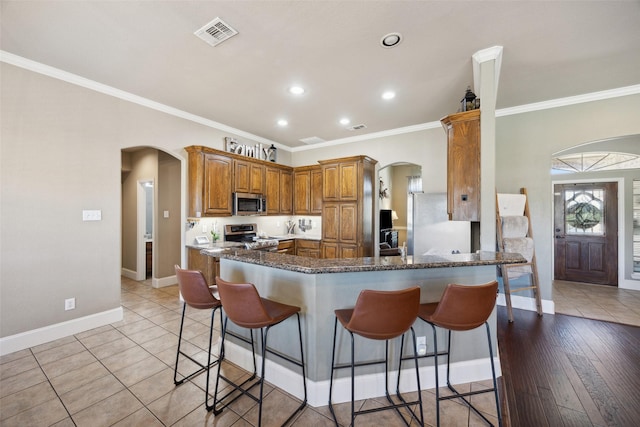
[205, 228]
[69, 304]
[421, 343]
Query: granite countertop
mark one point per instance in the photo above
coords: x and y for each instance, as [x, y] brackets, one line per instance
[296, 236]
[216, 247]
[346, 265]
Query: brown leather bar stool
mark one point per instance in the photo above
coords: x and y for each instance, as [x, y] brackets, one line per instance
[196, 294]
[379, 315]
[462, 308]
[244, 307]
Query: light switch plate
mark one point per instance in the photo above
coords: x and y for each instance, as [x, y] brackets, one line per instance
[92, 215]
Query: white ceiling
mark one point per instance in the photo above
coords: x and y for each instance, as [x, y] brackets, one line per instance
[552, 49]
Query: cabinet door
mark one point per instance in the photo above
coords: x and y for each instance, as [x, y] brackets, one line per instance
[256, 180]
[349, 181]
[249, 177]
[348, 231]
[272, 186]
[315, 195]
[329, 250]
[286, 192]
[348, 251]
[242, 176]
[217, 185]
[463, 166]
[301, 191]
[331, 182]
[331, 221]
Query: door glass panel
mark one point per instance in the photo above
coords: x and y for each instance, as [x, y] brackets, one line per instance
[584, 211]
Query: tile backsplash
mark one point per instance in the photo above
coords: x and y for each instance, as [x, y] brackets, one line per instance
[269, 225]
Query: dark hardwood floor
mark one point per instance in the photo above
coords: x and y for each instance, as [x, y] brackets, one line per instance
[562, 370]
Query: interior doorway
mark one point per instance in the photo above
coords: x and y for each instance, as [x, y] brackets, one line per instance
[586, 232]
[151, 210]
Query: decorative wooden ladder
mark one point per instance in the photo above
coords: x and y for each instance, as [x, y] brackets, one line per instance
[508, 208]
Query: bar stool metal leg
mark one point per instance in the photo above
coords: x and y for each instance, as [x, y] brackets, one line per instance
[381, 326]
[245, 308]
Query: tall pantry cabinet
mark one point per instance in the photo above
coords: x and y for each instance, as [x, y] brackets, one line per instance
[347, 207]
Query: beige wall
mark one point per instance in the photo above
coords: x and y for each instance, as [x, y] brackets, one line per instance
[61, 153]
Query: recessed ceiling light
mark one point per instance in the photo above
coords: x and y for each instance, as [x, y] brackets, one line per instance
[388, 95]
[296, 90]
[391, 40]
[282, 122]
[344, 121]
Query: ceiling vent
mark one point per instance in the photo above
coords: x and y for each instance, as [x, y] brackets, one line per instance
[357, 127]
[215, 32]
[312, 140]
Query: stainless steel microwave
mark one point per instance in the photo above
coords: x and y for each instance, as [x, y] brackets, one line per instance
[249, 204]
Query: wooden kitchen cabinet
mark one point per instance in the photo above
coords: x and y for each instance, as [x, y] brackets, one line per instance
[347, 210]
[287, 247]
[308, 248]
[279, 190]
[307, 190]
[463, 165]
[248, 176]
[209, 266]
[210, 183]
[340, 179]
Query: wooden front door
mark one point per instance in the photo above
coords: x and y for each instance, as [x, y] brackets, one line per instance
[586, 232]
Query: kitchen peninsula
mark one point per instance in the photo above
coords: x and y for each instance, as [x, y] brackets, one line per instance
[319, 286]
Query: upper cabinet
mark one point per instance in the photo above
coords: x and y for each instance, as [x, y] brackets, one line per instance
[249, 177]
[307, 190]
[463, 165]
[214, 175]
[210, 183]
[278, 185]
[340, 180]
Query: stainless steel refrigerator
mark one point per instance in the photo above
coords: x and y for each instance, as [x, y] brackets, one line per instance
[429, 229]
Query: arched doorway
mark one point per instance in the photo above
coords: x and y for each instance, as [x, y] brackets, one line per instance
[151, 215]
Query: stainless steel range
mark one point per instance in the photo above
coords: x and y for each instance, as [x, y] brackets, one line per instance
[248, 234]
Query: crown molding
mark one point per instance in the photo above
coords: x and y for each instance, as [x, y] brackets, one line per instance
[570, 100]
[56, 73]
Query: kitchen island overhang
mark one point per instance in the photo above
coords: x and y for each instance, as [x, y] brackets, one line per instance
[319, 286]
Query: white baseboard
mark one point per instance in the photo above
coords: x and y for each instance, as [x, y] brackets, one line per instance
[367, 386]
[129, 274]
[49, 333]
[633, 284]
[164, 281]
[527, 303]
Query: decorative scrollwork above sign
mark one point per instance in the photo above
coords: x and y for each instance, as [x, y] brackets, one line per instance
[255, 151]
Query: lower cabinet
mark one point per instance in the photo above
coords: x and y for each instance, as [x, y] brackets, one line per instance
[208, 265]
[308, 248]
[287, 247]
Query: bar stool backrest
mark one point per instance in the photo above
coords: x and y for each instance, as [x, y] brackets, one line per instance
[243, 305]
[383, 315]
[465, 307]
[194, 289]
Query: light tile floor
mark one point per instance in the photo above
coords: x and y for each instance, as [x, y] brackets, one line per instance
[122, 375]
[597, 302]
